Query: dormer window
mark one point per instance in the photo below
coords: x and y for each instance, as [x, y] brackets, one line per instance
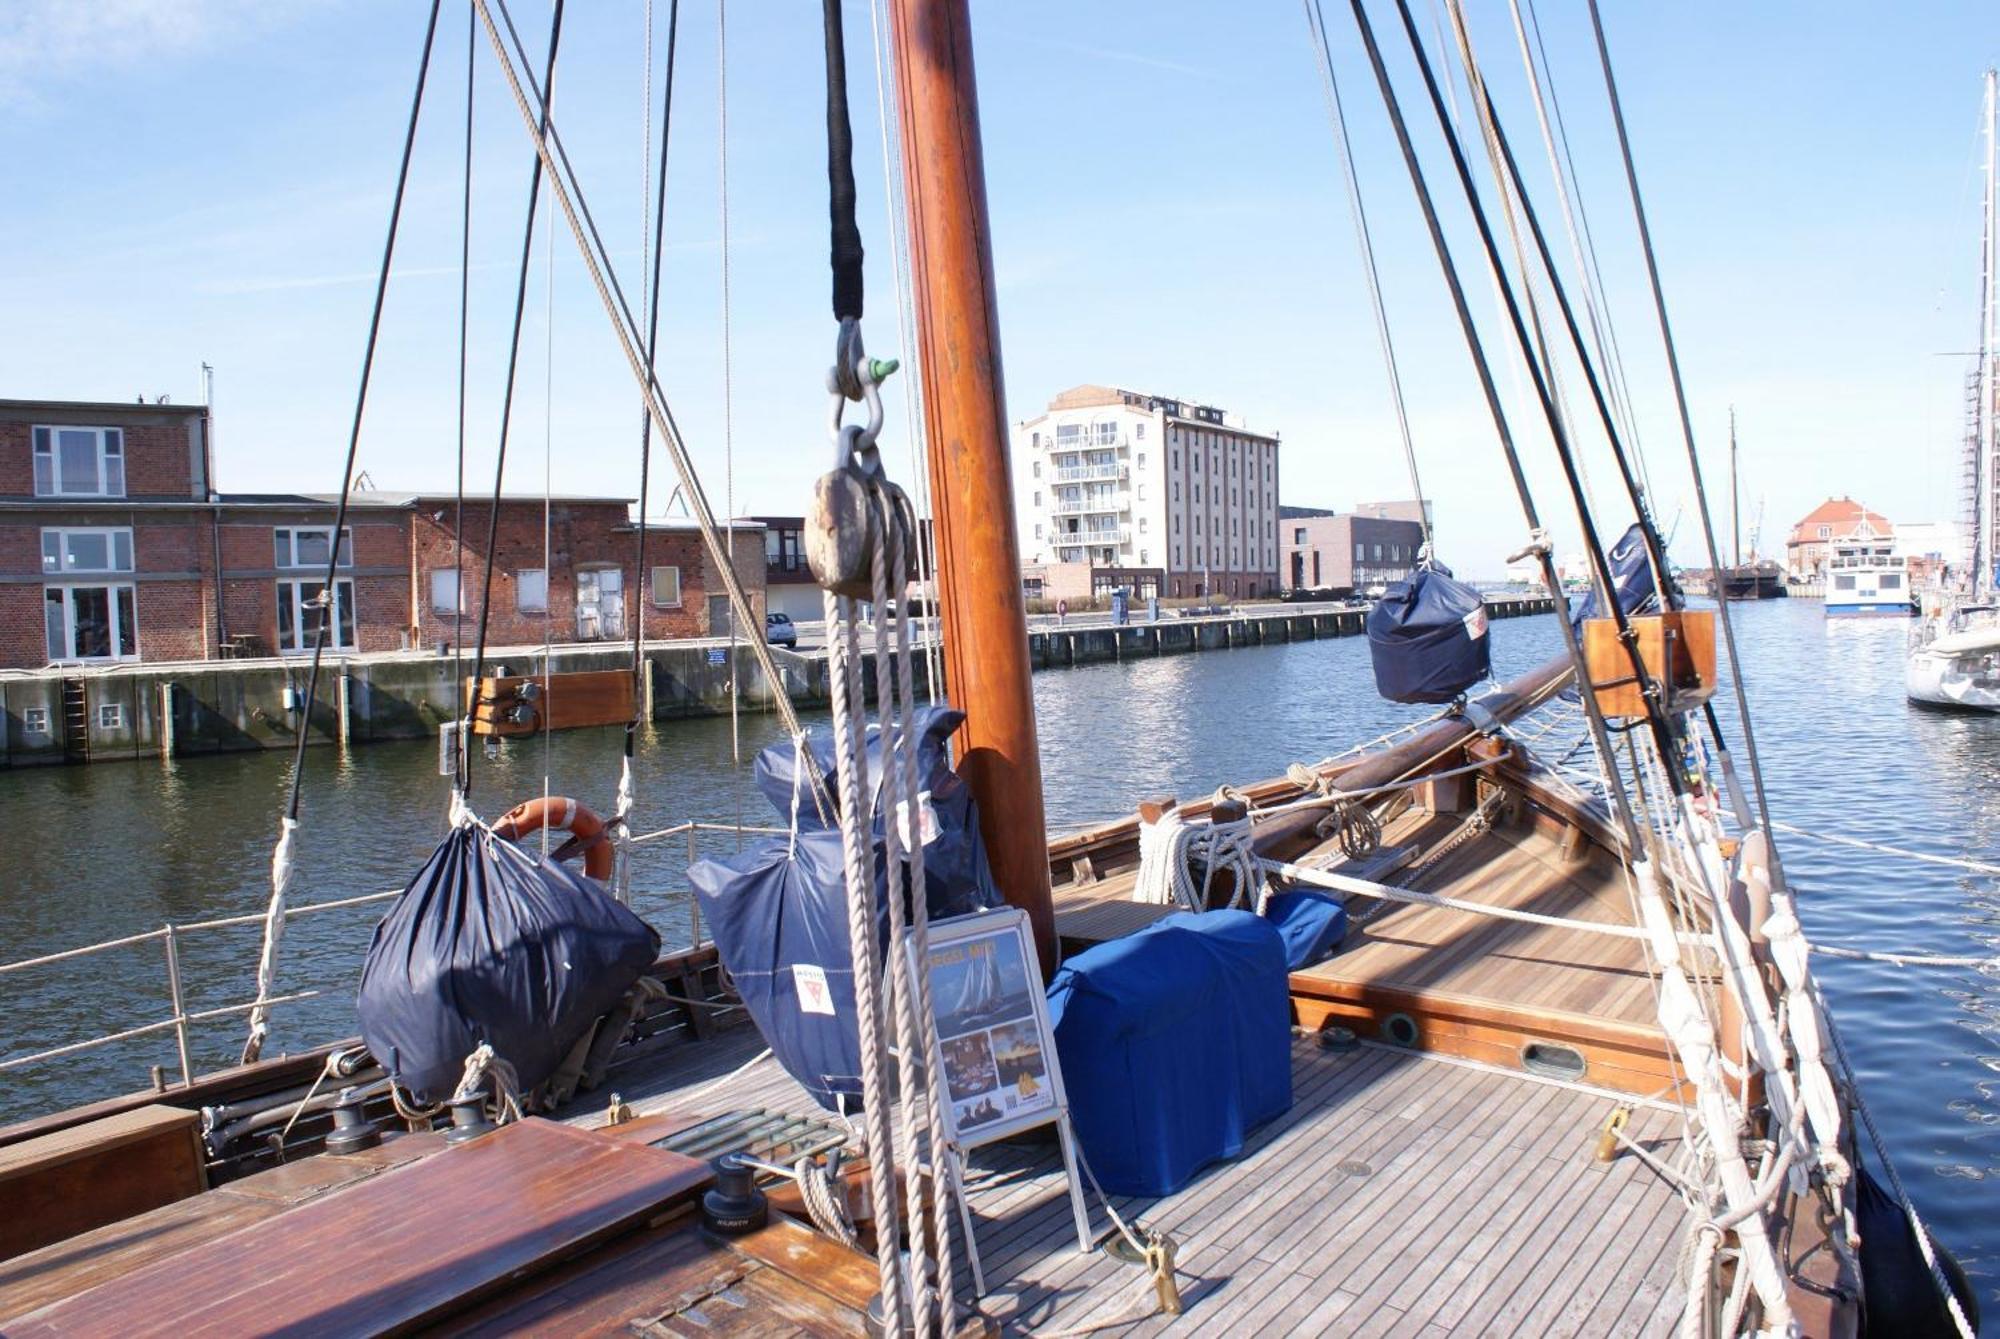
[79, 462]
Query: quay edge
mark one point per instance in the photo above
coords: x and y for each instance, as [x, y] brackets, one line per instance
[189, 709]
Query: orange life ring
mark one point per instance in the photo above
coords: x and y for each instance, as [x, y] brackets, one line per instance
[586, 831]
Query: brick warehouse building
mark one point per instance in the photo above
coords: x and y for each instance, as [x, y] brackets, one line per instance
[114, 548]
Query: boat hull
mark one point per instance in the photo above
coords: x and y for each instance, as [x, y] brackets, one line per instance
[1870, 609]
[1961, 682]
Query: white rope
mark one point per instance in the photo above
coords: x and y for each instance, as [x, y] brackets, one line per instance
[274, 931]
[824, 1200]
[843, 649]
[621, 829]
[1346, 883]
[728, 379]
[1956, 862]
[1170, 848]
[482, 1067]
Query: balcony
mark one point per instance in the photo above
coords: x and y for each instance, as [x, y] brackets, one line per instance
[1110, 534]
[1089, 506]
[1070, 474]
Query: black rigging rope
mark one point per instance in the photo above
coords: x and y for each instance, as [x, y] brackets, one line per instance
[1592, 715]
[507, 405]
[329, 593]
[1565, 455]
[1687, 434]
[1619, 451]
[645, 413]
[847, 287]
[464, 313]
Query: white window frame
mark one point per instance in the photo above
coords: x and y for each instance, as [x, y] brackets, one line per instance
[35, 721]
[653, 585]
[286, 559]
[111, 715]
[118, 631]
[521, 587]
[453, 603]
[110, 445]
[66, 565]
[301, 642]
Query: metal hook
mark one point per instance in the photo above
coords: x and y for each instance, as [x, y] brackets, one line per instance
[855, 376]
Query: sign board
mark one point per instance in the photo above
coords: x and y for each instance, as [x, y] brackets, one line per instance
[996, 1054]
[717, 656]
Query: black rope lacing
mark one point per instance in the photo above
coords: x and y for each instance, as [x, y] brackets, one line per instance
[507, 405]
[330, 610]
[847, 282]
[645, 411]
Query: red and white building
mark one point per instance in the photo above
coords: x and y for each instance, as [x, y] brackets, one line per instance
[116, 547]
[1811, 542]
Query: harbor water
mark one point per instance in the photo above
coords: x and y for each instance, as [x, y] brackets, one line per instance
[108, 851]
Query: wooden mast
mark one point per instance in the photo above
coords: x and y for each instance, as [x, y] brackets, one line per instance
[965, 420]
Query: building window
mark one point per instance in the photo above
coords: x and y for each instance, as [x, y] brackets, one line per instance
[1038, 497]
[1177, 523]
[531, 590]
[306, 546]
[90, 622]
[1298, 534]
[1177, 560]
[95, 550]
[35, 721]
[1038, 529]
[666, 588]
[1139, 431]
[444, 591]
[1143, 558]
[1360, 552]
[111, 715]
[1378, 553]
[1826, 532]
[1038, 469]
[79, 462]
[1142, 492]
[1142, 525]
[302, 606]
[1177, 460]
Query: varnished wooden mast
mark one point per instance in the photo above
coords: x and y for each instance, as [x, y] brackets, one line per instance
[965, 417]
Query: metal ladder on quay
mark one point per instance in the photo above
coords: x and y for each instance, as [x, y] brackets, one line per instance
[76, 720]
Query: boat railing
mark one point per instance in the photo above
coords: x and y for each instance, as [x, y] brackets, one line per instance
[181, 1021]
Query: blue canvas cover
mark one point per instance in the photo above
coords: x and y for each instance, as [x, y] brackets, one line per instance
[1631, 577]
[958, 880]
[1175, 1043]
[778, 910]
[1312, 924]
[1427, 638]
[491, 944]
[779, 916]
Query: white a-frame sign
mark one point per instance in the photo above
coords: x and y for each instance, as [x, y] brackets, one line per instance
[995, 1062]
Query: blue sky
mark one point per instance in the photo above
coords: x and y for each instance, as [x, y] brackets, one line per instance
[209, 182]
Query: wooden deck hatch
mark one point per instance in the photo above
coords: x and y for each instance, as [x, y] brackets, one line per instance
[69, 1181]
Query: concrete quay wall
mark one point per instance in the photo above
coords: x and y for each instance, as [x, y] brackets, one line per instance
[157, 711]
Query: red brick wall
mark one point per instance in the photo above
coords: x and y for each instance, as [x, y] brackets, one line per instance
[175, 608]
[579, 535]
[158, 459]
[380, 573]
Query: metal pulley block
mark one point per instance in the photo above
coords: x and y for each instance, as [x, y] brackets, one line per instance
[853, 504]
[843, 527]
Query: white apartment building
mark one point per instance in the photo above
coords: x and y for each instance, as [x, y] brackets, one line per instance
[1125, 480]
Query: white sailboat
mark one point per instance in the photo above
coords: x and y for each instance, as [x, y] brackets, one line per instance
[1954, 658]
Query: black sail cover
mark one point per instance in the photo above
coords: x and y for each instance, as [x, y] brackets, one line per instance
[489, 943]
[778, 909]
[1427, 638]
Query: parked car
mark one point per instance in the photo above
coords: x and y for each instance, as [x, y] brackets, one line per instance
[778, 630]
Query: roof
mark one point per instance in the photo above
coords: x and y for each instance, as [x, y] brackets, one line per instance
[1842, 516]
[132, 406]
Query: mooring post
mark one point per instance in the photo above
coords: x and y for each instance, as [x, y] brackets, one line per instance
[166, 730]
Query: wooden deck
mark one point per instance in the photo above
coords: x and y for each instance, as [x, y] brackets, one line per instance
[1402, 1194]
[1484, 988]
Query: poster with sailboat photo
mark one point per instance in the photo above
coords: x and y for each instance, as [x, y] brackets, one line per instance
[994, 1048]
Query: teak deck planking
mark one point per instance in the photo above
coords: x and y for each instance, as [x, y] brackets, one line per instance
[1401, 1191]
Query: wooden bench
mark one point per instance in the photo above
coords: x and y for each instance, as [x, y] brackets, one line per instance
[400, 1249]
[69, 1181]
